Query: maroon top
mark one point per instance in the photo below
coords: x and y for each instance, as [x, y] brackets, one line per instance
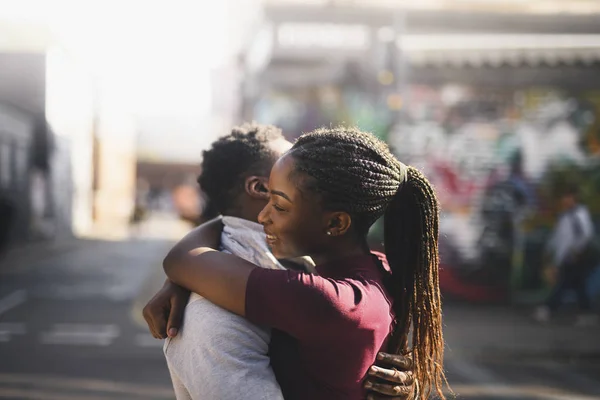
[328, 328]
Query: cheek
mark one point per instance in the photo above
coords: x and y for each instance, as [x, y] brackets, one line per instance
[304, 235]
[287, 228]
[286, 225]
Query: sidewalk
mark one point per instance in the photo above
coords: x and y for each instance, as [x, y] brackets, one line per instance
[501, 332]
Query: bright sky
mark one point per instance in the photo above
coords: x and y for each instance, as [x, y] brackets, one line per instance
[152, 57]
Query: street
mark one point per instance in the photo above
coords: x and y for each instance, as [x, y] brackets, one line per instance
[66, 326]
[70, 330]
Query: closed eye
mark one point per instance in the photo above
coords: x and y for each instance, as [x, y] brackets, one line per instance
[275, 206]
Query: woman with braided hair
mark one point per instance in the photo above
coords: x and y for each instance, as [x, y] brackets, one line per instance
[325, 193]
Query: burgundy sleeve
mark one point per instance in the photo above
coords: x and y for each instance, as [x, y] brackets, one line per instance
[300, 304]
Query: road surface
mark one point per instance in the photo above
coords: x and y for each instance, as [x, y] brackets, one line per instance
[70, 330]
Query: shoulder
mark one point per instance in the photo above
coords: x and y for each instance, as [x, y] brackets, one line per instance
[382, 258]
[583, 211]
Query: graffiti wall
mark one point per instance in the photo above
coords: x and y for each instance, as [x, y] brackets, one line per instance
[498, 159]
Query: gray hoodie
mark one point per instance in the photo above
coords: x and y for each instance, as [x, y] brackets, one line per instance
[219, 355]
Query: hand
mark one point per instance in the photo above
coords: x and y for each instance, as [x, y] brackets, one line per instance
[164, 312]
[391, 378]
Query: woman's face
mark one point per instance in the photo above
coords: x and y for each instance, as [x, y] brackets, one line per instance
[293, 220]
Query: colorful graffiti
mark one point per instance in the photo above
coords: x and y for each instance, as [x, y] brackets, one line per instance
[497, 159]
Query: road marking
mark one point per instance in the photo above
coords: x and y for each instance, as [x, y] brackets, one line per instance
[37, 394]
[147, 340]
[579, 380]
[518, 392]
[81, 334]
[483, 382]
[7, 329]
[13, 300]
[478, 377]
[44, 382]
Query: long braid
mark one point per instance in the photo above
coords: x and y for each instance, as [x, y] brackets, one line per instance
[411, 228]
[355, 172]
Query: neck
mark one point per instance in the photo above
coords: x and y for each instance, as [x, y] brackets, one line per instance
[342, 248]
[242, 215]
[246, 208]
[571, 207]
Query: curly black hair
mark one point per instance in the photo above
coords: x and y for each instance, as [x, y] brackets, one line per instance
[232, 158]
[355, 172]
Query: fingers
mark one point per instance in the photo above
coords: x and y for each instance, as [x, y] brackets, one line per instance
[175, 320]
[159, 318]
[156, 319]
[391, 375]
[400, 392]
[150, 321]
[396, 360]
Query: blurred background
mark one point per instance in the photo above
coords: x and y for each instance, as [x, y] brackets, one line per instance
[106, 106]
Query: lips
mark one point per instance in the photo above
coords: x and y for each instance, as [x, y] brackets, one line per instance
[271, 238]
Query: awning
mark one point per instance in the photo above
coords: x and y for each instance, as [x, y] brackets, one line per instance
[494, 50]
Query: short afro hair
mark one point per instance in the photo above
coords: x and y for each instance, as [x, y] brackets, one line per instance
[232, 158]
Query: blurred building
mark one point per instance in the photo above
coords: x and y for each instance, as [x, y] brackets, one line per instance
[497, 103]
[56, 150]
[114, 170]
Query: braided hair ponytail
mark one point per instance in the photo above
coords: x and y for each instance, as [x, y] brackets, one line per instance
[355, 172]
[411, 228]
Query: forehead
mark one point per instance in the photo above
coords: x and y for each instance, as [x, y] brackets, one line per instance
[280, 174]
[284, 178]
[281, 178]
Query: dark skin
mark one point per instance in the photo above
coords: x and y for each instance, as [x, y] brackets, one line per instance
[296, 225]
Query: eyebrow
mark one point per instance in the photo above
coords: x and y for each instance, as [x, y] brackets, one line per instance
[285, 196]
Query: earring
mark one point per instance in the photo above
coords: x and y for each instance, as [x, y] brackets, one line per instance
[328, 233]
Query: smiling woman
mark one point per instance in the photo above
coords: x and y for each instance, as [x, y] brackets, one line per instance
[325, 193]
[293, 220]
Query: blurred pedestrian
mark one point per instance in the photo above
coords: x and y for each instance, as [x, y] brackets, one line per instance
[140, 207]
[8, 212]
[573, 255]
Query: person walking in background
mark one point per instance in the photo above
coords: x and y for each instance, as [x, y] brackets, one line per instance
[7, 217]
[141, 208]
[571, 251]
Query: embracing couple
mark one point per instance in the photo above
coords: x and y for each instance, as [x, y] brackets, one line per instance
[287, 301]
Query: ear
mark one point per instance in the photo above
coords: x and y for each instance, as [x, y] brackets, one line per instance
[338, 223]
[257, 187]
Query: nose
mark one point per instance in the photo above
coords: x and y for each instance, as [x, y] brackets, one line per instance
[263, 216]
